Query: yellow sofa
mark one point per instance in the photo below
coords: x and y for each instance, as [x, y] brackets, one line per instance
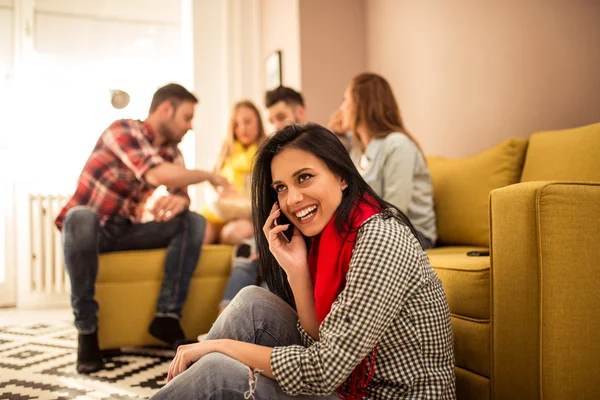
[525, 320]
[127, 289]
[526, 328]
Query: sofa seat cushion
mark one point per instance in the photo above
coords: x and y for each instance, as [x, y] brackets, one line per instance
[147, 265]
[472, 345]
[466, 280]
[461, 189]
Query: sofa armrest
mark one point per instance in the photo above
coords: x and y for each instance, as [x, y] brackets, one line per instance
[545, 266]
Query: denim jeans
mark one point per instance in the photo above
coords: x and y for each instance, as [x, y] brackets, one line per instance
[254, 316]
[84, 239]
[244, 272]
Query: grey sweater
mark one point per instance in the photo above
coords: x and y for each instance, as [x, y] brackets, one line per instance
[396, 170]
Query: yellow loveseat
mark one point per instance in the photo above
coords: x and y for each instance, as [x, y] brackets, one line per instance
[525, 319]
[127, 290]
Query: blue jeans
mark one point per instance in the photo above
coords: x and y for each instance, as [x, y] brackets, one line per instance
[84, 239]
[244, 273]
[255, 316]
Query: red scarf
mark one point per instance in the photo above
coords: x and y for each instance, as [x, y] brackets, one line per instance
[328, 269]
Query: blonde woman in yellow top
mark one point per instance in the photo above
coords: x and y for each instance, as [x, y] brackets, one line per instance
[228, 216]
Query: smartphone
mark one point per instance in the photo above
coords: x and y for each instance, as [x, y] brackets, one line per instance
[478, 253]
[283, 220]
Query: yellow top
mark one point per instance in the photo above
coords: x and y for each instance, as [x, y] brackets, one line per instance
[237, 168]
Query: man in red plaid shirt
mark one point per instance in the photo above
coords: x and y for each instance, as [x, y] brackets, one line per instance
[130, 160]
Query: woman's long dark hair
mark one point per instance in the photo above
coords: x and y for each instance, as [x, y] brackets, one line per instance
[321, 143]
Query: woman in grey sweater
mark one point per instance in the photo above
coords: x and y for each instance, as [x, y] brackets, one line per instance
[386, 154]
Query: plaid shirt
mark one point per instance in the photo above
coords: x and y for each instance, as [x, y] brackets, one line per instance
[112, 181]
[392, 299]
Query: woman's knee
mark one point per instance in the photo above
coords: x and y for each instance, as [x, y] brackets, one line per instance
[254, 302]
[211, 233]
[236, 231]
[253, 295]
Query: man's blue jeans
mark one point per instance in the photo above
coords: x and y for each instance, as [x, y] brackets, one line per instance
[84, 239]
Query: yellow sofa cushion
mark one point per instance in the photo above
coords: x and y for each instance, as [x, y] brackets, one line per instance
[461, 188]
[472, 350]
[471, 386]
[147, 265]
[466, 280]
[565, 155]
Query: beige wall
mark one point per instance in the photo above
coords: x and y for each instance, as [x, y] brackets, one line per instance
[469, 74]
[323, 46]
[280, 31]
[333, 50]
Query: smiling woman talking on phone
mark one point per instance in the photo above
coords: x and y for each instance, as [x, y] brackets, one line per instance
[356, 309]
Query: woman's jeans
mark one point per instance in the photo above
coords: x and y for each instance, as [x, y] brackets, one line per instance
[255, 316]
[84, 239]
[244, 271]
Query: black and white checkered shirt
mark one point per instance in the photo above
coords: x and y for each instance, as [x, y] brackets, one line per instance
[392, 299]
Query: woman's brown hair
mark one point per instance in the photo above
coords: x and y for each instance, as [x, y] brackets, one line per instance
[230, 139]
[375, 108]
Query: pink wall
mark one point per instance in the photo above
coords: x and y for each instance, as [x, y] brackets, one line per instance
[280, 31]
[469, 74]
[333, 50]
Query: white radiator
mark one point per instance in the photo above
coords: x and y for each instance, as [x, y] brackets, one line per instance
[42, 281]
[47, 272]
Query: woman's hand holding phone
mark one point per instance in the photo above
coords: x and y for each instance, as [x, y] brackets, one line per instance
[290, 255]
[288, 233]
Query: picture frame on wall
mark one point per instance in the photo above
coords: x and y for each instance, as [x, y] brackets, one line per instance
[273, 72]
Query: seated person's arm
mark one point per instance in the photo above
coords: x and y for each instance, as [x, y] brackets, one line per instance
[180, 191]
[131, 147]
[177, 176]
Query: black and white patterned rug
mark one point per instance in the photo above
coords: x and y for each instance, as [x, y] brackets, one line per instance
[37, 361]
